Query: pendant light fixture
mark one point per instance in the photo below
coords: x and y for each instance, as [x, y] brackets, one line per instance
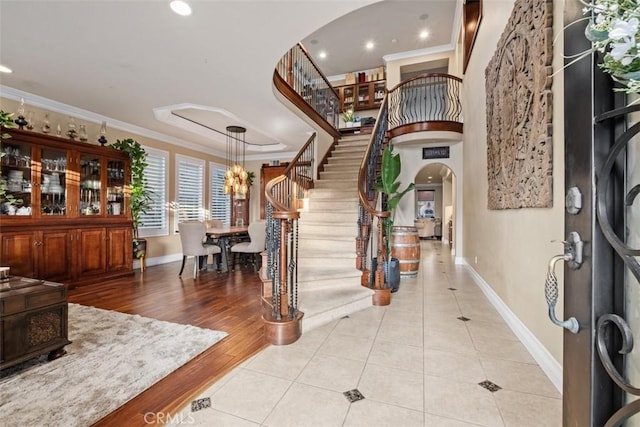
[235, 177]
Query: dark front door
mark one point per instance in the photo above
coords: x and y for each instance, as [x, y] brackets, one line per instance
[602, 164]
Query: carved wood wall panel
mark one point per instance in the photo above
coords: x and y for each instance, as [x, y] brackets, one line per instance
[519, 110]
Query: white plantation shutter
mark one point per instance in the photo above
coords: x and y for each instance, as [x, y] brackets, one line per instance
[190, 189]
[156, 222]
[219, 203]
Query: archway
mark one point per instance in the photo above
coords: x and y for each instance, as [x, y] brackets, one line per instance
[435, 203]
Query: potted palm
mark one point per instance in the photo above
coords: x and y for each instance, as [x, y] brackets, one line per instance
[139, 198]
[388, 185]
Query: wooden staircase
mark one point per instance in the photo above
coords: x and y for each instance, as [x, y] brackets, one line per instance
[328, 281]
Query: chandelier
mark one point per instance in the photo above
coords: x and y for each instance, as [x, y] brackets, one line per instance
[235, 177]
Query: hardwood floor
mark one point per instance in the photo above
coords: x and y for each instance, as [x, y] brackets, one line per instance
[228, 302]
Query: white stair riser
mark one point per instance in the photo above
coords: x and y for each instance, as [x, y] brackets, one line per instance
[330, 216]
[328, 204]
[329, 246]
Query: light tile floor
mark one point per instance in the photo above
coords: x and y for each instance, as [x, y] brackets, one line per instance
[414, 361]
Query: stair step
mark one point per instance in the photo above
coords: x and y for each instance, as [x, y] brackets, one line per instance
[346, 174]
[316, 272]
[347, 156]
[332, 203]
[336, 183]
[336, 166]
[324, 306]
[349, 149]
[336, 244]
[333, 193]
[346, 216]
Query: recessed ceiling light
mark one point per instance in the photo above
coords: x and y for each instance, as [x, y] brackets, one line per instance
[322, 54]
[314, 41]
[424, 16]
[394, 40]
[369, 45]
[429, 177]
[424, 34]
[4, 69]
[180, 7]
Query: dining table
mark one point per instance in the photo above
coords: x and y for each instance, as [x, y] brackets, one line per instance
[223, 237]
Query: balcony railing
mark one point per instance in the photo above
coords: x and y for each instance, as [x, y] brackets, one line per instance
[429, 102]
[298, 70]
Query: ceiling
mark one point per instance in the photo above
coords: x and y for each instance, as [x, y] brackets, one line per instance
[143, 68]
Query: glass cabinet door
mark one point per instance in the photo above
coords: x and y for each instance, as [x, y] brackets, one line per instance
[53, 182]
[90, 185]
[15, 178]
[363, 95]
[115, 187]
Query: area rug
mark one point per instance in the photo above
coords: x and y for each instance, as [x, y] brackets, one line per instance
[113, 357]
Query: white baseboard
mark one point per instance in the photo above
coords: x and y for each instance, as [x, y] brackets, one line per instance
[547, 362]
[157, 260]
[460, 260]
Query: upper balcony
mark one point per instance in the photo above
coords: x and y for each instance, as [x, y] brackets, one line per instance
[425, 107]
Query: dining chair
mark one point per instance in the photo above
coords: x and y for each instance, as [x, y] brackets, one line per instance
[193, 236]
[212, 223]
[257, 243]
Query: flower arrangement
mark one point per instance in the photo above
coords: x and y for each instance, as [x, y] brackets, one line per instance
[613, 30]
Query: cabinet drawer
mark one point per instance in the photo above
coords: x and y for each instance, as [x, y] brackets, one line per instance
[11, 305]
[44, 299]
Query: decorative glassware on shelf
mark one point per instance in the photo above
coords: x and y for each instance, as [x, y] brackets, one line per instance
[30, 120]
[53, 186]
[21, 121]
[103, 134]
[59, 130]
[90, 185]
[82, 135]
[15, 179]
[46, 124]
[115, 187]
[71, 128]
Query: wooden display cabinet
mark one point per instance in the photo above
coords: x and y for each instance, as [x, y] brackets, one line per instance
[64, 216]
[362, 96]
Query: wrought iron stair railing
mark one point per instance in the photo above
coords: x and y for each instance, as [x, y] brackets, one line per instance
[284, 195]
[370, 215]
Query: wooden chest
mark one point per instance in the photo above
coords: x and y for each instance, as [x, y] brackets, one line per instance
[33, 320]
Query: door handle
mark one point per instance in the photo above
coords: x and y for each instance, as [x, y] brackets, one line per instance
[573, 256]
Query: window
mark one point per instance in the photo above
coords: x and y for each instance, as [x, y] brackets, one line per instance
[156, 222]
[219, 203]
[190, 189]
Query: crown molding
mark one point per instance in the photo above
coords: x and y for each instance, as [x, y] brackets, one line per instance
[89, 116]
[418, 52]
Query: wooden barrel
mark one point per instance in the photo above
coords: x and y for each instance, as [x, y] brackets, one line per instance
[406, 247]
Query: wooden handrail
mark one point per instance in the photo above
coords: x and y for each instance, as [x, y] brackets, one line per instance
[296, 160]
[306, 53]
[363, 171]
[422, 76]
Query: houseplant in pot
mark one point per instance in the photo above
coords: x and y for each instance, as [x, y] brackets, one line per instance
[139, 198]
[388, 185]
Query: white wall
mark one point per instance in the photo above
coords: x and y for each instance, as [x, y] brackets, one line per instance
[412, 162]
[510, 249]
